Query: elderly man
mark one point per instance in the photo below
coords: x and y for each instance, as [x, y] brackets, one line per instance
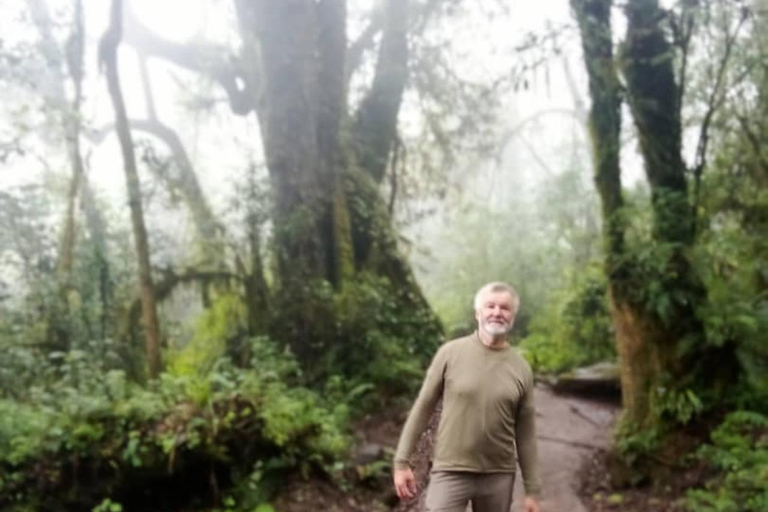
[487, 421]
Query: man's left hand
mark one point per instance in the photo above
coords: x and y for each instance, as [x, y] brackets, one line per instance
[530, 504]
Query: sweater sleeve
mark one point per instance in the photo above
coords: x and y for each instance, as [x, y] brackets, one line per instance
[525, 435]
[431, 390]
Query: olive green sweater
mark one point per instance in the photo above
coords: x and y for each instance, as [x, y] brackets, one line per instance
[488, 417]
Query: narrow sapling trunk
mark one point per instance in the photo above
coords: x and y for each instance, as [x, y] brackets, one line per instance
[108, 57]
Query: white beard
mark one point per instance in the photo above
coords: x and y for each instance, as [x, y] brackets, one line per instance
[496, 329]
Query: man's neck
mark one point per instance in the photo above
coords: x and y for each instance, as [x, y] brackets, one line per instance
[492, 341]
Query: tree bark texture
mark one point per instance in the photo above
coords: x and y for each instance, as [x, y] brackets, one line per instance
[68, 114]
[108, 57]
[604, 118]
[645, 343]
[653, 98]
[324, 164]
[376, 123]
[301, 104]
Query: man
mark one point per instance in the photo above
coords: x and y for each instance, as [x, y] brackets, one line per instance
[487, 421]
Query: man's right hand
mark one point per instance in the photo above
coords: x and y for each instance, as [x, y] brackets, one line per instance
[405, 483]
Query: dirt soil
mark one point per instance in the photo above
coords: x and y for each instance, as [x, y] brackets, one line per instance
[571, 432]
[671, 482]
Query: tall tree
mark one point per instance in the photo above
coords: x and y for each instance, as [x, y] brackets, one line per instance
[108, 59]
[652, 325]
[654, 97]
[68, 115]
[330, 222]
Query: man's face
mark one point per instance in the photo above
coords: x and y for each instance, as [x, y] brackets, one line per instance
[496, 314]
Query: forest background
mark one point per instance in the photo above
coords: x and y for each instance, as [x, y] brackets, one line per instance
[230, 229]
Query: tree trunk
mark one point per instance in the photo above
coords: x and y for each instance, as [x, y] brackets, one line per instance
[604, 120]
[376, 123]
[72, 134]
[97, 230]
[108, 57]
[635, 333]
[653, 97]
[300, 45]
[256, 290]
[69, 117]
[319, 232]
[327, 219]
[69, 114]
[648, 333]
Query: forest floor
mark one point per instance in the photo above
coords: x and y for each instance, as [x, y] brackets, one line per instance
[572, 432]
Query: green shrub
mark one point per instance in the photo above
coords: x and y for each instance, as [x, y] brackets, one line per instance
[738, 454]
[97, 432]
[574, 328]
[379, 351]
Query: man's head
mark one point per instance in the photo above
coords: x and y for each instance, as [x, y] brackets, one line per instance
[496, 306]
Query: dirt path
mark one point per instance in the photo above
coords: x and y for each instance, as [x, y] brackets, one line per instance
[568, 430]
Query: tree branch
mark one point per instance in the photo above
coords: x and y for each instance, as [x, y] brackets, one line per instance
[187, 182]
[682, 34]
[713, 103]
[149, 97]
[363, 43]
[214, 61]
[166, 284]
[376, 122]
[367, 38]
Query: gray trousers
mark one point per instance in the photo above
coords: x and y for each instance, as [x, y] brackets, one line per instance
[450, 491]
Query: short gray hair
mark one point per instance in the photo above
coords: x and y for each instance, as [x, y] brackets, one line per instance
[496, 286]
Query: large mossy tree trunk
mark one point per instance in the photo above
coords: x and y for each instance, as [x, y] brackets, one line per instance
[330, 220]
[302, 46]
[648, 337]
[331, 228]
[654, 99]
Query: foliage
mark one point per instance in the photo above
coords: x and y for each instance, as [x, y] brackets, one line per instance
[217, 328]
[574, 328]
[379, 351]
[739, 455]
[535, 243]
[92, 428]
[733, 259]
[677, 405]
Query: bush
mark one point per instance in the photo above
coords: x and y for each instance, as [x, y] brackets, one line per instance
[109, 438]
[738, 454]
[575, 327]
[380, 351]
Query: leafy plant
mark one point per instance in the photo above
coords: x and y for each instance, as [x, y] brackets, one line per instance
[89, 420]
[738, 454]
[574, 328]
